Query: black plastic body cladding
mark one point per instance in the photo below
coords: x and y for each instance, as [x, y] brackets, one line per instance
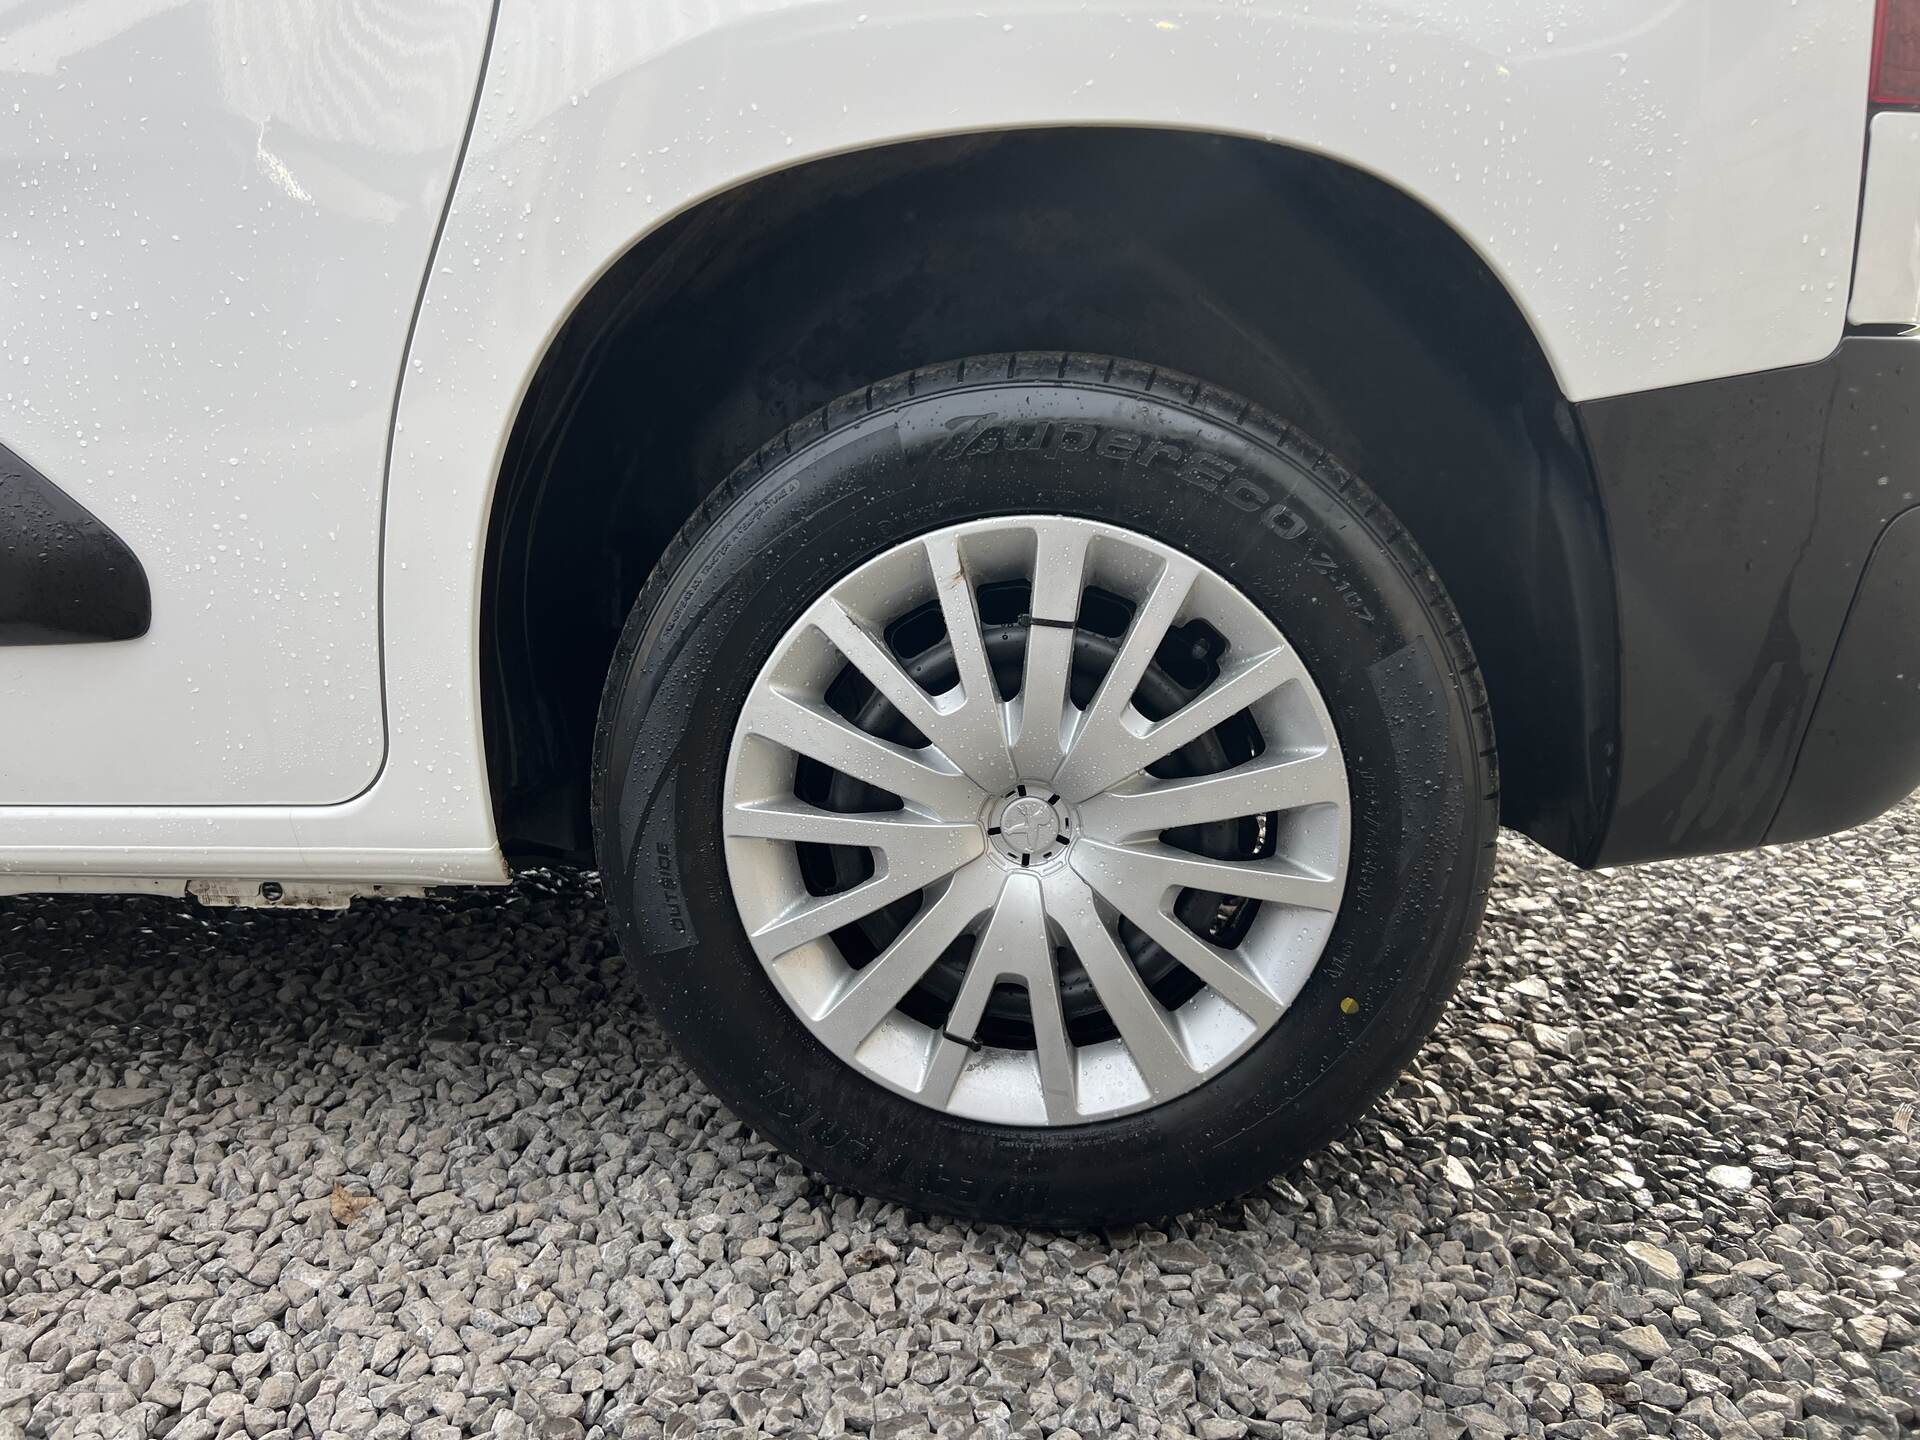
[1862, 751]
[1742, 512]
[65, 578]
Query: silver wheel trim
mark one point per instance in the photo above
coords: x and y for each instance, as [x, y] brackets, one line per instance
[1092, 764]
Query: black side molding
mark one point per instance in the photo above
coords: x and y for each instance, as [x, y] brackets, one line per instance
[65, 578]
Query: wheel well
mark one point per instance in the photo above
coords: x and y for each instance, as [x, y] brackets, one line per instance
[1322, 293]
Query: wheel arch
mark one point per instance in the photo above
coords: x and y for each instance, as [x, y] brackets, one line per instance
[1326, 294]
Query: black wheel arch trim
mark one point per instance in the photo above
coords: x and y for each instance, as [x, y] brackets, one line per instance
[1319, 292]
[65, 577]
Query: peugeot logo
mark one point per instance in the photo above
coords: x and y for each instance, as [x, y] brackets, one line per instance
[1028, 824]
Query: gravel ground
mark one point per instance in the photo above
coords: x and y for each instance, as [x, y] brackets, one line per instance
[425, 1169]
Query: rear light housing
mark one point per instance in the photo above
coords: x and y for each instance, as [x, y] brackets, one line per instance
[1896, 53]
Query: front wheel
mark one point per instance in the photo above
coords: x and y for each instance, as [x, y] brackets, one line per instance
[1045, 789]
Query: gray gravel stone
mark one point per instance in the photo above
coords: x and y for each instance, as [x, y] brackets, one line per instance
[426, 1170]
[1605, 1368]
[1737, 1178]
[1656, 1265]
[1644, 1343]
[125, 1098]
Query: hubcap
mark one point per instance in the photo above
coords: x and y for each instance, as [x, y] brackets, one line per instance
[1036, 820]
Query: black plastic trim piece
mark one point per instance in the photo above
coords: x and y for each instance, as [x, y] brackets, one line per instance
[65, 578]
[1741, 513]
[1861, 754]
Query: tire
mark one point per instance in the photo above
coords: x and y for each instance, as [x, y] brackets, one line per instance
[1134, 457]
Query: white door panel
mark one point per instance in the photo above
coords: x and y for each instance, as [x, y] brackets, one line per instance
[218, 218]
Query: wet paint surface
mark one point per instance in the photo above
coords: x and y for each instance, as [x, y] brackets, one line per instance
[218, 220]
